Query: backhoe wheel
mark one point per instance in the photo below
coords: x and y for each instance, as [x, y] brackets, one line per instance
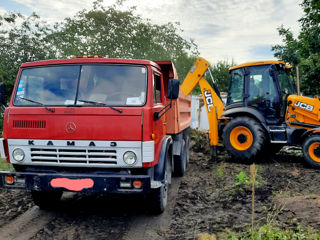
[311, 151]
[243, 138]
[46, 199]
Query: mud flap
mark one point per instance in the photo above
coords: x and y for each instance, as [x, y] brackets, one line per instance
[159, 169]
[177, 144]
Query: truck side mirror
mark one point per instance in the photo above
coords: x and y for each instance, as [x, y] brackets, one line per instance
[2, 94]
[173, 89]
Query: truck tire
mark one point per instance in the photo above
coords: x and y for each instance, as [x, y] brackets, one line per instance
[158, 198]
[311, 151]
[46, 199]
[243, 138]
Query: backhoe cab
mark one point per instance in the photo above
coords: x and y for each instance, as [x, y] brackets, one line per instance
[262, 112]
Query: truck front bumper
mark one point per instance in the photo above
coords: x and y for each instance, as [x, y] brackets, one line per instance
[76, 182]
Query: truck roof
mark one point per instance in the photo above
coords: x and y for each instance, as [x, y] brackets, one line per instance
[249, 64]
[90, 60]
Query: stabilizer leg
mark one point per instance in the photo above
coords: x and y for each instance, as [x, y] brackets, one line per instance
[214, 155]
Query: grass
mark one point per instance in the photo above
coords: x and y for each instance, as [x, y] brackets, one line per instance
[4, 166]
[266, 232]
[269, 231]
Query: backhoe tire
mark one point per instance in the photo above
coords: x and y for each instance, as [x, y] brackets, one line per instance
[311, 151]
[244, 138]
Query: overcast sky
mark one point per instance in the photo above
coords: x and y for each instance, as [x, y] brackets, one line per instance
[242, 30]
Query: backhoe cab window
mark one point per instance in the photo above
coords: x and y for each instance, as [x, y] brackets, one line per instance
[287, 86]
[104, 84]
[261, 85]
[235, 93]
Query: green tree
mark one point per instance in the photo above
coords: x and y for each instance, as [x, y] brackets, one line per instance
[305, 49]
[22, 39]
[107, 32]
[219, 75]
[116, 33]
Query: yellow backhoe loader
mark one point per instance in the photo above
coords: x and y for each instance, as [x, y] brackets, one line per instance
[262, 111]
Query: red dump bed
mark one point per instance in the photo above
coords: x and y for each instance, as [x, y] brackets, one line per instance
[178, 117]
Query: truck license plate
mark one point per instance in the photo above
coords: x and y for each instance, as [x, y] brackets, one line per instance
[72, 184]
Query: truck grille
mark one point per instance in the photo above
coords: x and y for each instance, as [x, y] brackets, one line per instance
[74, 156]
[29, 124]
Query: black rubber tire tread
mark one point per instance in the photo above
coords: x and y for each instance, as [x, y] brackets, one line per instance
[158, 198]
[180, 162]
[259, 138]
[305, 150]
[46, 199]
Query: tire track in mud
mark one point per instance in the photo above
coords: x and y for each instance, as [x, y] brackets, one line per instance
[154, 227]
[93, 217]
[26, 225]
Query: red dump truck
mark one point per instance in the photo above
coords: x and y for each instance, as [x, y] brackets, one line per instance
[94, 124]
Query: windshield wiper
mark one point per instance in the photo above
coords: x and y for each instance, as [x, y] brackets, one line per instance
[39, 103]
[100, 104]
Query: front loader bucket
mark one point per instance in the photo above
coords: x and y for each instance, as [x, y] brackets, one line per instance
[194, 75]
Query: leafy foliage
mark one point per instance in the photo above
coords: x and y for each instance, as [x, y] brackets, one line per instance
[305, 49]
[272, 232]
[220, 75]
[121, 34]
[220, 72]
[22, 39]
[109, 32]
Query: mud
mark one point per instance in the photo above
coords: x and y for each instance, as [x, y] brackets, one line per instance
[12, 204]
[213, 197]
[216, 197]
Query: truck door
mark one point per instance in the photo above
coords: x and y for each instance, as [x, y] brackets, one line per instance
[159, 126]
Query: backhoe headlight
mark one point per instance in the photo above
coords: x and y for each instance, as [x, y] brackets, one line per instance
[18, 154]
[130, 158]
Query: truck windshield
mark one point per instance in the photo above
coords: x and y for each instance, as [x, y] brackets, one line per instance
[286, 84]
[65, 85]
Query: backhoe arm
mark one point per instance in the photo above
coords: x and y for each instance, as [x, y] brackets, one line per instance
[213, 103]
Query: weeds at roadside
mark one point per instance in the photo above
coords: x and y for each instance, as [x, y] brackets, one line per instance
[265, 232]
[4, 166]
[220, 172]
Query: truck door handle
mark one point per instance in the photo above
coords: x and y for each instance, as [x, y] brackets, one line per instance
[164, 123]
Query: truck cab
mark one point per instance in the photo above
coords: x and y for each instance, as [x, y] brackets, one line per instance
[95, 124]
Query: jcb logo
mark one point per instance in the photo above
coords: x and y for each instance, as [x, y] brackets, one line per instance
[208, 97]
[303, 106]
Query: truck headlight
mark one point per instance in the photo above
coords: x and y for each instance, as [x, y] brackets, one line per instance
[18, 154]
[130, 158]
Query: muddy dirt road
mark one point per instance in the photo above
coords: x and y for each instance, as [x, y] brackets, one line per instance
[81, 216]
[211, 198]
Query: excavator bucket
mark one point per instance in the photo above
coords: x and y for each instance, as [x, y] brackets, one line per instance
[195, 74]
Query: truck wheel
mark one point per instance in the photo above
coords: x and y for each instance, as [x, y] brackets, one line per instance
[158, 198]
[243, 138]
[311, 151]
[180, 162]
[46, 199]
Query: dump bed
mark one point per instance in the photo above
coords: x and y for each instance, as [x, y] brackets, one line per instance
[178, 117]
